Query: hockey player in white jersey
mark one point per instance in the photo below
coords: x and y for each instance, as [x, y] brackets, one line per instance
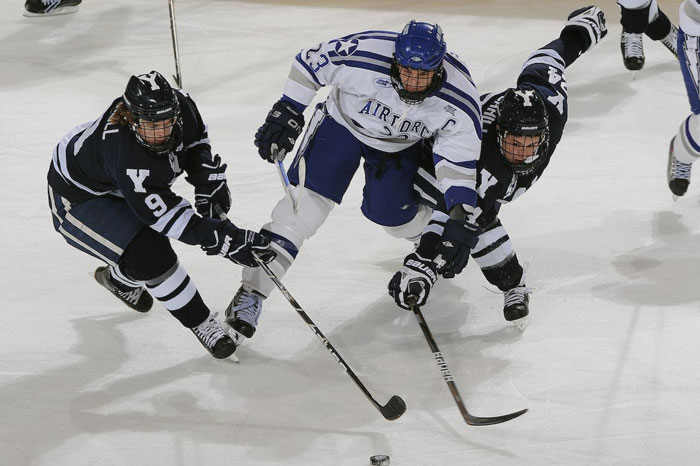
[522, 127]
[684, 149]
[389, 91]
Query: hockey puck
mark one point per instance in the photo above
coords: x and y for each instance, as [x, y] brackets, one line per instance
[379, 460]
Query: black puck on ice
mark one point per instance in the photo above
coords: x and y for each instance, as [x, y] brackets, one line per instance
[379, 460]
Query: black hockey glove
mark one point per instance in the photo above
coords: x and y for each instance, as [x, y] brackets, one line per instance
[588, 25]
[238, 245]
[413, 282]
[453, 249]
[277, 136]
[210, 188]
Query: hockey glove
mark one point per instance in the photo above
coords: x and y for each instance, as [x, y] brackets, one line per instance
[453, 249]
[277, 136]
[413, 283]
[238, 245]
[210, 188]
[588, 25]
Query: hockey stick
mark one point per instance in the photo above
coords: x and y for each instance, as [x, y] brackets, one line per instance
[394, 408]
[285, 179]
[176, 47]
[447, 375]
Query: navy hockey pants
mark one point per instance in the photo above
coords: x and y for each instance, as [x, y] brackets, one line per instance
[332, 155]
[102, 227]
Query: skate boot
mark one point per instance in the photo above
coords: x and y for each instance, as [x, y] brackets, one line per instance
[131, 294]
[242, 315]
[677, 173]
[632, 51]
[50, 7]
[670, 41]
[213, 337]
[515, 306]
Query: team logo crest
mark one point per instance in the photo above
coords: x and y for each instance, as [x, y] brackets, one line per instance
[345, 48]
[382, 82]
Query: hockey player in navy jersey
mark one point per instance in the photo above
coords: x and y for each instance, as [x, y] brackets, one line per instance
[684, 149]
[639, 17]
[389, 91]
[522, 127]
[109, 192]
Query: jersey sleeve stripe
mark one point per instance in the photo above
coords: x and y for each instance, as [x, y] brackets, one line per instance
[370, 56]
[379, 35]
[166, 221]
[439, 160]
[363, 64]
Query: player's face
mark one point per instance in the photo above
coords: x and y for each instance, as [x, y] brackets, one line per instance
[414, 80]
[517, 148]
[155, 133]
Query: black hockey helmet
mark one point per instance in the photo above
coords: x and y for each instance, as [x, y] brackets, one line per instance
[522, 112]
[150, 100]
[419, 46]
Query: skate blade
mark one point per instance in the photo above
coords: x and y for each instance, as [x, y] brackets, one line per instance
[521, 323]
[237, 337]
[66, 10]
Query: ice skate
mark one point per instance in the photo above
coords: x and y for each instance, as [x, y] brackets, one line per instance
[50, 7]
[515, 306]
[632, 51]
[213, 337]
[136, 297]
[242, 315]
[670, 41]
[677, 173]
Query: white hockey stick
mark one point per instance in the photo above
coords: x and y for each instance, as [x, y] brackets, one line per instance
[288, 188]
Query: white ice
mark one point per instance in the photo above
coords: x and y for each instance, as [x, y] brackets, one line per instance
[609, 366]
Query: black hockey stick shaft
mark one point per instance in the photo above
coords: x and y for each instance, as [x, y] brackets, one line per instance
[394, 408]
[447, 375]
[176, 47]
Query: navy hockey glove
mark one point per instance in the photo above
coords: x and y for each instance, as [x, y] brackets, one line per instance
[238, 245]
[453, 249]
[587, 25]
[210, 188]
[277, 136]
[413, 282]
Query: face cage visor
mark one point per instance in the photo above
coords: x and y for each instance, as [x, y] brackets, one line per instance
[523, 151]
[158, 137]
[426, 82]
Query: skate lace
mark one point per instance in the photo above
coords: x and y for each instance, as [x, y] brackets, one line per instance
[670, 40]
[680, 170]
[516, 295]
[209, 331]
[248, 307]
[632, 45]
[130, 296]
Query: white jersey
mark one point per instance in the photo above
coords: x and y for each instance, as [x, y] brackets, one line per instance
[364, 101]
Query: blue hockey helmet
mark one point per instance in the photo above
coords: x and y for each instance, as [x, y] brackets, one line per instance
[421, 46]
[150, 100]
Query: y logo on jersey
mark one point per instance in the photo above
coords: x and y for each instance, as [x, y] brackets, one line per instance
[138, 176]
[345, 48]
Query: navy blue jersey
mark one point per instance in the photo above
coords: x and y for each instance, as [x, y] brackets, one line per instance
[543, 72]
[99, 158]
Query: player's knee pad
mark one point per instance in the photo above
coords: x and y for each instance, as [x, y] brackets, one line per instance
[686, 147]
[413, 229]
[506, 275]
[149, 255]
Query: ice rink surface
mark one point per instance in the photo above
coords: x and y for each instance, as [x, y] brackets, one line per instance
[609, 365]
